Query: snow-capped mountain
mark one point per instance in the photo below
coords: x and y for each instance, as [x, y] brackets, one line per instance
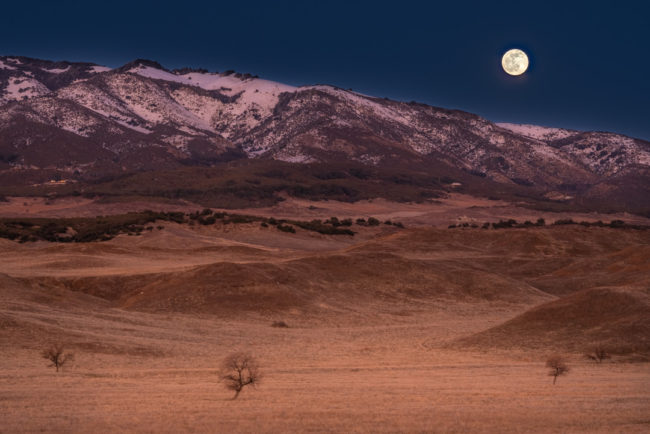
[91, 120]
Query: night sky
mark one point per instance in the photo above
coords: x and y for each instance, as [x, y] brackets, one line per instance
[590, 61]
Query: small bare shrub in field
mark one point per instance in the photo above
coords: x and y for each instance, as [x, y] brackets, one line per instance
[597, 353]
[280, 324]
[57, 355]
[239, 370]
[557, 367]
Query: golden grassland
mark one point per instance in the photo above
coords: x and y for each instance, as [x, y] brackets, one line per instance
[416, 330]
[315, 380]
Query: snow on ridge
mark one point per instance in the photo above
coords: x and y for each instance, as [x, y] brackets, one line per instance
[133, 127]
[5, 66]
[22, 88]
[255, 97]
[212, 81]
[98, 69]
[537, 132]
[362, 100]
[56, 70]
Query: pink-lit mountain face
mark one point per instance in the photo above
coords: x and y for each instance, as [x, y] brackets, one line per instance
[84, 121]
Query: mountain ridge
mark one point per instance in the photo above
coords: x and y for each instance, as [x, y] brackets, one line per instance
[191, 116]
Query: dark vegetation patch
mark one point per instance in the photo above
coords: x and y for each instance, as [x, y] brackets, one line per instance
[241, 184]
[511, 223]
[82, 229]
[244, 183]
[104, 228]
[280, 324]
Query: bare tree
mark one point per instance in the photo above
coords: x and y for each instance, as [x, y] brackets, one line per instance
[598, 353]
[239, 370]
[57, 355]
[558, 367]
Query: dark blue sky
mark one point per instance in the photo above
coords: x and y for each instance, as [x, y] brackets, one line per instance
[590, 60]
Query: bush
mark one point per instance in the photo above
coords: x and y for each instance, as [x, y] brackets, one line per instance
[564, 222]
[557, 367]
[208, 220]
[322, 228]
[333, 221]
[286, 228]
[504, 224]
[238, 371]
[597, 353]
[279, 324]
[617, 224]
[57, 356]
[373, 221]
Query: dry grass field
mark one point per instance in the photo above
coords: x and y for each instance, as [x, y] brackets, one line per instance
[414, 330]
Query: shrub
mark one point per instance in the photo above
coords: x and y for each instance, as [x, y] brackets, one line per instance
[373, 221]
[564, 222]
[504, 224]
[322, 228]
[617, 224]
[279, 324]
[239, 370]
[286, 228]
[208, 220]
[557, 367]
[597, 353]
[334, 221]
[57, 355]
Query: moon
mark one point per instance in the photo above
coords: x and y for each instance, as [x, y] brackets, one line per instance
[514, 62]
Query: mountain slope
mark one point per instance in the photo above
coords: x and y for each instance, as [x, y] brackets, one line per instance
[115, 119]
[616, 319]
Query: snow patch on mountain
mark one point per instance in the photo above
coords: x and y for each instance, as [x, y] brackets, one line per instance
[537, 132]
[189, 114]
[99, 69]
[363, 102]
[24, 88]
[133, 127]
[253, 99]
[6, 66]
[56, 70]
[63, 115]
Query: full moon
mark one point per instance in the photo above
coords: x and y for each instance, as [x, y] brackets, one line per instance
[515, 62]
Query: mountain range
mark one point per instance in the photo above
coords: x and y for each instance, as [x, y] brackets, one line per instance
[85, 122]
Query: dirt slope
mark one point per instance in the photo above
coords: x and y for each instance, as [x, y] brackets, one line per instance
[617, 319]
